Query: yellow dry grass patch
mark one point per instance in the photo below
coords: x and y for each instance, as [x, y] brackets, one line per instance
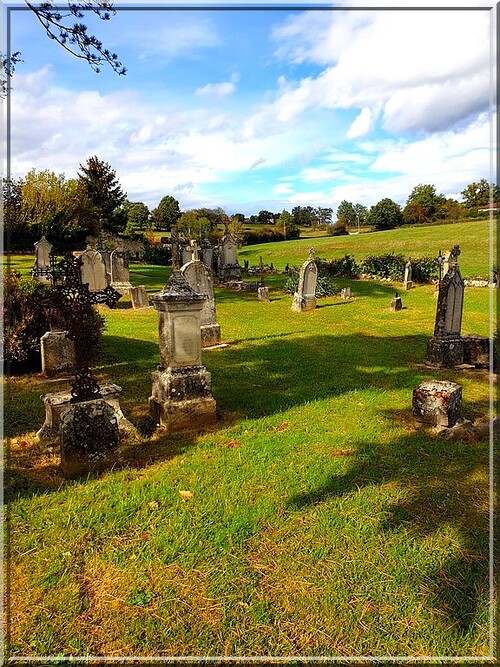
[176, 596]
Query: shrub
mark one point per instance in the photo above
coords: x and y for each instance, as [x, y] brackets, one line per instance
[345, 267]
[339, 229]
[25, 321]
[387, 265]
[156, 254]
[267, 235]
[26, 317]
[424, 269]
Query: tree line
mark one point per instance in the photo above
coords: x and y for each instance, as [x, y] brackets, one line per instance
[44, 202]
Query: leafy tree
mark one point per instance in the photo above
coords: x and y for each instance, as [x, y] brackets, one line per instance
[427, 198]
[137, 216]
[72, 36]
[452, 209]
[414, 214]
[166, 213]
[346, 213]
[265, 217]
[286, 221]
[192, 225]
[304, 216]
[324, 215]
[105, 195]
[239, 217]
[478, 194]
[361, 213]
[386, 214]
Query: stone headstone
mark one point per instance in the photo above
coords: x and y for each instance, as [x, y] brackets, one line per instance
[263, 293]
[446, 347]
[228, 267]
[199, 278]
[396, 303]
[58, 354]
[305, 296]
[57, 403]
[407, 283]
[438, 403]
[477, 351]
[207, 253]
[120, 278]
[42, 268]
[89, 433]
[181, 393]
[93, 270]
[187, 254]
[139, 297]
[345, 293]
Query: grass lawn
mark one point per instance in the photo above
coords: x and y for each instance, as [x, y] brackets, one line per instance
[319, 520]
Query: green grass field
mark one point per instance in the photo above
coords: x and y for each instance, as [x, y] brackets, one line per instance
[319, 520]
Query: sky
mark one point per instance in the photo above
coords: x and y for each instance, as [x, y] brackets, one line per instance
[264, 107]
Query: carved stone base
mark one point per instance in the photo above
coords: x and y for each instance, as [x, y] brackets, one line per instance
[181, 398]
[476, 350]
[210, 334]
[437, 403]
[230, 272]
[445, 352]
[89, 433]
[408, 284]
[58, 354]
[58, 403]
[396, 304]
[302, 303]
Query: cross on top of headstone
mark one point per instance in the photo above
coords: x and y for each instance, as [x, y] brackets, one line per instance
[312, 252]
[453, 257]
[195, 248]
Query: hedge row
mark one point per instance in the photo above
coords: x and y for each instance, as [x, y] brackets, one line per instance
[386, 265]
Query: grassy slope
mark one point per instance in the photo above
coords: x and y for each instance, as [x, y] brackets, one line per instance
[321, 521]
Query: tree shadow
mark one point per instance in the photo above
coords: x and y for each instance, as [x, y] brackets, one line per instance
[444, 486]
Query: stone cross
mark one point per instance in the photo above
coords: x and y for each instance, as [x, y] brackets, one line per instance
[195, 250]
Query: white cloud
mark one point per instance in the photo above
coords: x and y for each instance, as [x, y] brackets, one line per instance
[361, 124]
[283, 188]
[217, 89]
[429, 69]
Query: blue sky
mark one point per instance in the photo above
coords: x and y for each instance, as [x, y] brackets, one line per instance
[263, 109]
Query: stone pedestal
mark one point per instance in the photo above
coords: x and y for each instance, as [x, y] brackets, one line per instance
[210, 334]
[408, 284]
[437, 403]
[445, 351]
[396, 304]
[58, 403]
[58, 354]
[89, 433]
[139, 297]
[263, 293]
[181, 398]
[476, 350]
[345, 293]
[302, 303]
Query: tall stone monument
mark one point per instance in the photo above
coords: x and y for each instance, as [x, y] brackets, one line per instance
[305, 296]
[407, 282]
[199, 278]
[446, 347]
[42, 268]
[181, 394]
[120, 279]
[207, 253]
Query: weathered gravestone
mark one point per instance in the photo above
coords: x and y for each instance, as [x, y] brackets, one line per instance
[93, 269]
[407, 282]
[139, 297]
[305, 296]
[42, 268]
[181, 394]
[438, 403]
[446, 347]
[199, 278]
[120, 279]
[207, 253]
[227, 260]
[396, 303]
[57, 350]
[187, 254]
[345, 293]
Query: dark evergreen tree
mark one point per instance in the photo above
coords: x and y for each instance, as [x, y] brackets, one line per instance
[105, 195]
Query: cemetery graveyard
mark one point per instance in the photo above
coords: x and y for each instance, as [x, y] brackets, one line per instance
[276, 485]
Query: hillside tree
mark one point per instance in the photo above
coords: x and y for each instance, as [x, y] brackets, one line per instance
[166, 213]
[106, 197]
[386, 214]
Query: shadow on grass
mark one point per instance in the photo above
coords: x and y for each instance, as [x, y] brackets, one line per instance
[445, 486]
